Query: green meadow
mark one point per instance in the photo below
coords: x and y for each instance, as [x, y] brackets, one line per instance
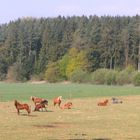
[23, 91]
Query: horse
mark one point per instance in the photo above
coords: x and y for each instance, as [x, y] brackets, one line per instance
[57, 100]
[41, 105]
[67, 106]
[103, 103]
[36, 100]
[20, 106]
[116, 101]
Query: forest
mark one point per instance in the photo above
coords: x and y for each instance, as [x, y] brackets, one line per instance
[46, 48]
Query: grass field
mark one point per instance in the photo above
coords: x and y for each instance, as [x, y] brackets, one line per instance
[85, 121]
[23, 91]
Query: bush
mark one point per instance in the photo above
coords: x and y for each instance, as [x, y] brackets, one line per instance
[37, 77]
[99, 76]
[123, 78]
[80, 76]
[110, 77]
[53, 74]
[136, 79]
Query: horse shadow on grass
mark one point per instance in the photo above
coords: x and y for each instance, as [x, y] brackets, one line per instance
[27, 115]
[101, 139]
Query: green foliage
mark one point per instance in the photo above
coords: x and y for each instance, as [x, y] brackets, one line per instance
[136, 79]
[110, 77]
[89, 42]
[99, 76]
[52, 73]
[80, 76]
[77, 60]
[125, 76]
[63, 63]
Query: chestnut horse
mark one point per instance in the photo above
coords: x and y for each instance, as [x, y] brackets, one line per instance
[41, 105]
[20, 106]
[36, 99]
[103, 103]
[57, 100]
[67, 106]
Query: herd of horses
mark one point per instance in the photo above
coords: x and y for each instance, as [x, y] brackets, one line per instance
[41, 104]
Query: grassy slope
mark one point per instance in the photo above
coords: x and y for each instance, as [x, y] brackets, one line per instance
[23, 91]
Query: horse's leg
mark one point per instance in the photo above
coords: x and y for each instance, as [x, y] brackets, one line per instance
[45, 109]
[18, 111]
[28, 111]
[54, 104]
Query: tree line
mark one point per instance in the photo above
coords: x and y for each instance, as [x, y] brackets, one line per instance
[31, 47]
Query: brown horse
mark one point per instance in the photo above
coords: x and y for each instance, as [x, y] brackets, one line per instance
[103, 103]
[57, 100]
[67, 106]
[20, 106]
[41, 105]
[36, 100]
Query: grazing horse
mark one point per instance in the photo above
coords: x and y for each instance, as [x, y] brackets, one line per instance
[57, 100]
[67, 106]
[20, 106]
[36, 99]
[103, 103]
[41, 105]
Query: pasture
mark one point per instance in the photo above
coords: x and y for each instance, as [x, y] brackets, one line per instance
[85, 120]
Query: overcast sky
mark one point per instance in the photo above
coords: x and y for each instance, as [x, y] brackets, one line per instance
[13, 9]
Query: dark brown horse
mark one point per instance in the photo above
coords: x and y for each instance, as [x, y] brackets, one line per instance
[36, 100]
[68, 105]
[103, 103]
[20, 106]
[57, 100]
[41, 105]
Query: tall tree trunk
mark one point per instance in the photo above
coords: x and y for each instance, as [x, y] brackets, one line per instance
[139, 59]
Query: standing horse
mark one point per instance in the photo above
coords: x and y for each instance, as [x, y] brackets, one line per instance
[36, 99]
[57, 100]
[103, 103]
[20, 106]
[41, 105]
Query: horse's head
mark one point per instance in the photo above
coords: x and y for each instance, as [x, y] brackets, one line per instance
[106, 101]
[60, 98]
[45, 102]
[16, 102]
[32, 98]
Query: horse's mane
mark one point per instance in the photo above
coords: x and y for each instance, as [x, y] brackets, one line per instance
[32, 98]
[44, 102]
[16, 103]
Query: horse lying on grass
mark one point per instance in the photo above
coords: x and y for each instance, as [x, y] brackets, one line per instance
[67, 106]
[103, 103]
[36, 100]
[20, 106]
[116, 101]
[57, 100]
[41, 106]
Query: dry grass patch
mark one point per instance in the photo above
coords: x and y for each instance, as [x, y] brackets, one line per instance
[85, 120]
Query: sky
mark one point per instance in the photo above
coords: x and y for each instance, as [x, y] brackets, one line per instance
[13, 9]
